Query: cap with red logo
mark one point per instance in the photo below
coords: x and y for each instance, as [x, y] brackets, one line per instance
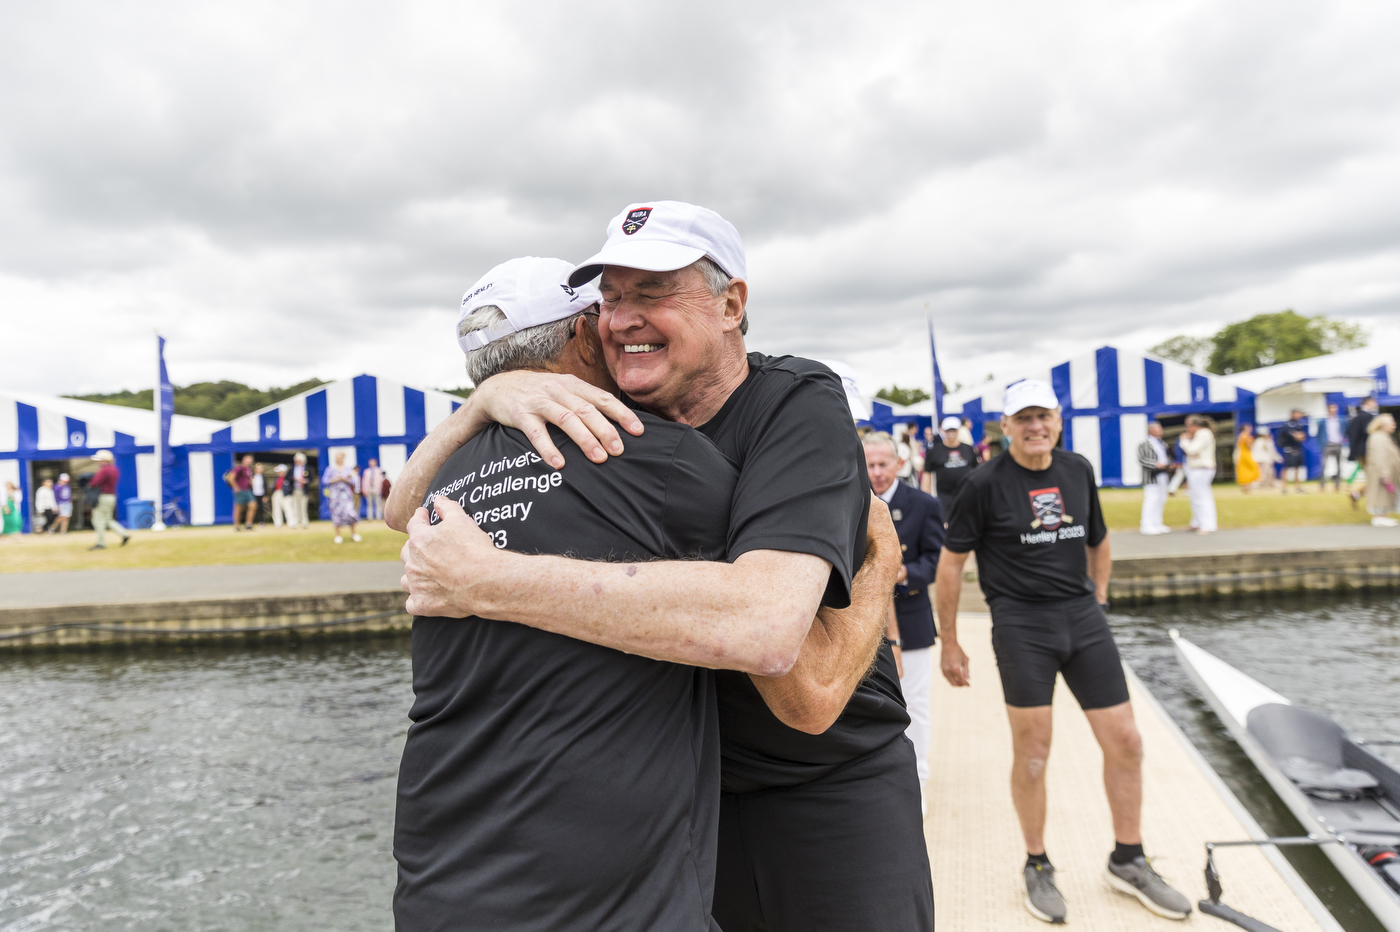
[662, 236]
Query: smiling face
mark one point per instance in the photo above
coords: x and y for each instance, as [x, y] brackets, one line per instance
[950, 437]
[667, 340]
[1033, 431]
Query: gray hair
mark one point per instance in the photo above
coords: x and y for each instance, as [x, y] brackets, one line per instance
[531, 348]
[717, 280]
[880, 436]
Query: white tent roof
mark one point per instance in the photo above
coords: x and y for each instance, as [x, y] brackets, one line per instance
[1348, 367]
[102, 421]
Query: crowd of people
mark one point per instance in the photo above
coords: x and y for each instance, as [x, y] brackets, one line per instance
[674, 673]
[282, 494]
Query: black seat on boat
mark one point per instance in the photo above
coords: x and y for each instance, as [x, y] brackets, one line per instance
[1307, 747]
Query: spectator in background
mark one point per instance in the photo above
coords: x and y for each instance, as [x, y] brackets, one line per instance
[1291, 437]
[906, 456]
[1246, 469]
[338, 484]
[63, 495]
[1382, 470]
[259, 490]
[1156, 466]
[918, 520]
[105, 482]
[371, 481]
[10, 518]
[280, 499]
[984, 449]
[240, 479]
[1198, 443]
[46, 506]
[299, 491]
[1267, 458]
[952, 461]
[1332, 432]
[1178, 466]
[965, 431]
[1356, 436]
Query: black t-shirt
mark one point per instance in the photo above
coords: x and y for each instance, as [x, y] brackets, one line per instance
[1030, 527]
[548, 783]
[802, 488]
[950, 467]
[1289, 443]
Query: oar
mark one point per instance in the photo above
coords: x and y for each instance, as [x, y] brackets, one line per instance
[1213, 906]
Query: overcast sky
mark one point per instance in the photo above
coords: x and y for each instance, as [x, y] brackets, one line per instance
[293, 189]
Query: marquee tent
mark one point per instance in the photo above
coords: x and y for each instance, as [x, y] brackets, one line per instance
[364, 417]
[37, 428]
[1106, 398]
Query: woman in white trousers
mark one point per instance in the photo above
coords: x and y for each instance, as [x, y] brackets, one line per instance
[1198, 443]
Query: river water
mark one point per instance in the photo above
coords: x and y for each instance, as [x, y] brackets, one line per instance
[216, 788]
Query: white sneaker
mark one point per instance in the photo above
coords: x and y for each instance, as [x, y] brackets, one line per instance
[338, 539]
[355, 538]
[1381, 521]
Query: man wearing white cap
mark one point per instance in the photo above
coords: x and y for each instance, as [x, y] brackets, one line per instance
[550, 783]
[103, 516]
[951, 461]
[1043, 560]
[819, 822]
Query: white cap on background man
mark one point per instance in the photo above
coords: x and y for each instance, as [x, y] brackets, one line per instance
[950, 422]
[530, 291]
[1029, 393]
[662, 236]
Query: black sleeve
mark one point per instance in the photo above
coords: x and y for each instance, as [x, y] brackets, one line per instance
[1098, 530]
[922, 570]
[803, 487]
[966, 521]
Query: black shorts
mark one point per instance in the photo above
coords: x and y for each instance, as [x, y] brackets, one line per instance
[1292, 459]
[844, 853]
[1035, 640]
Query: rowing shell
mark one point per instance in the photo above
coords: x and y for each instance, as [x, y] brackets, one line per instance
[1336, 787]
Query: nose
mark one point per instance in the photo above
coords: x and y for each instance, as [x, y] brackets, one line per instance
[623, 317]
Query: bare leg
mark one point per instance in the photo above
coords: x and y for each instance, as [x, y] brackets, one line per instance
[1030, 749]
[1117, 734]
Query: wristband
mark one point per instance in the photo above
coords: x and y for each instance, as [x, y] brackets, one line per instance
[896, 642]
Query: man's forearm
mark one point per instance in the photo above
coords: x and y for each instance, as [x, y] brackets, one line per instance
[408, 490]
[837, 653]
[948, 592]
[1100, 567]
[751, 615]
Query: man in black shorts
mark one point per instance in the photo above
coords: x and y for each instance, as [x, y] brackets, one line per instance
[1291, 438]
[951, 462]
[1033, 518]
[819, 826]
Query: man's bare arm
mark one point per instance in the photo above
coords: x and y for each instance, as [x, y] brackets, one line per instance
[947, 593]
[841, 643]
[525, 400]
[1100, 567]
[751, 615]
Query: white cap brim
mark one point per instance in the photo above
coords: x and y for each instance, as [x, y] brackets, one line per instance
[950, 423]
[649, 255]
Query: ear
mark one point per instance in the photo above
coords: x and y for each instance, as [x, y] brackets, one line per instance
[736, 298]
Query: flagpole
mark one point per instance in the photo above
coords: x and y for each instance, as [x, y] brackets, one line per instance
[159, 524]
[937, 379]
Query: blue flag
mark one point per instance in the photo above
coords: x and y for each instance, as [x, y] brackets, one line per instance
[937, 380]
[171, 488]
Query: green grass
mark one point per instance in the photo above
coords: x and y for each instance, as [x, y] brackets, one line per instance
[187, 546]
[1261, 508]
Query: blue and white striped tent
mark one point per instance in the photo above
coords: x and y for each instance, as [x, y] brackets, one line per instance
[364, 417]
[38, 428]
[1107, 398]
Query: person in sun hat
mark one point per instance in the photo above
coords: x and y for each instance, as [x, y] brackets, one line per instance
[1034, 518]
[820, 826]
[103, 516]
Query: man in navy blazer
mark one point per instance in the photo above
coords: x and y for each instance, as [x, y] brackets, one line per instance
[918, 520]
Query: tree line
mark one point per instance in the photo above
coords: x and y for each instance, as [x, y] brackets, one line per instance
[221, 401]
[1263, 340]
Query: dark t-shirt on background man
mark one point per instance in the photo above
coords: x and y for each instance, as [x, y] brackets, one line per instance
[1030, 527]
[1289, 443]
[548, 783]
[950, 467]
[802, 488]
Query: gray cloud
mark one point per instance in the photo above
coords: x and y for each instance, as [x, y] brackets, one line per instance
[307, 188]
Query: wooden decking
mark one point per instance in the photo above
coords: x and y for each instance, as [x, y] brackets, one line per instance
[975, 845]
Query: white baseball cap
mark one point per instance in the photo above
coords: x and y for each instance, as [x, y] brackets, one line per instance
[530, 291]
[662, 236]
[103, 456]
[1029, 393]
[950, 422]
